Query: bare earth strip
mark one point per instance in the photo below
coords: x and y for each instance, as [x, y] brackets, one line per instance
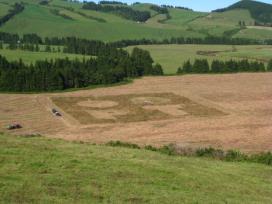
[245, 101]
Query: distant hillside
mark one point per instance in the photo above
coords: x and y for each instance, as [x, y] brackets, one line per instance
[112, 21]
[261, 12]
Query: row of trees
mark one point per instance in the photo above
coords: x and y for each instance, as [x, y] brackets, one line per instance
[17, 8]
[218, 66]
[112, 2]
[61, 74]
[123, 11]
[207, 40]
[67, 41]
[159, 9]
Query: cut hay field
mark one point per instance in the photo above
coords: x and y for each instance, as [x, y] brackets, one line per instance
[173, 56]
[231, 111]
[42, 170]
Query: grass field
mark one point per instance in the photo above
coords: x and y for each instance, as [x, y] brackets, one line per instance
[41, 170]
[4, 8]
[30, 57]
[255, 33]
[39, 19]
[181, 17]
[173, 56]
[218, 23]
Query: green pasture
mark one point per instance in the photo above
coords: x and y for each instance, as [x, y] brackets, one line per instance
[173, 56]
[43, 170]
[30, 57]
[39, 19]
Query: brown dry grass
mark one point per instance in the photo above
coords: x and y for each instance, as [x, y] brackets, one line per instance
[226, 111]
[131, 108]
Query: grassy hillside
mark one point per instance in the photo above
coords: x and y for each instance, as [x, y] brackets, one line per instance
[219, 23]
[111, 27]
[254, 32]
[173, 56]
[4, 8]
[41, 170]
[181, 16]
[38, 19]
[261, 12]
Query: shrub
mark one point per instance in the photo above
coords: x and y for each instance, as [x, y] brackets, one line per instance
[151, 148]
[122, 144]
[234, 155]
[264, 158]
[168, 149]
[210, 152]
[269, 66]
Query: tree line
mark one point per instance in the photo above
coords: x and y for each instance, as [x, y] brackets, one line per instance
[33, 38]
[112, 2]
[215, 40]
[201, 66]
[123, 11]
[16, 8]
[159, 9]
[60, 74]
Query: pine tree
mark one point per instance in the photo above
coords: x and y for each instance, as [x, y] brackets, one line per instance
[47, 48]
[37, 48]
[201, 66]
[180, 71]
[216, 66]
[269, 66]
[187, 67]
[157, 70]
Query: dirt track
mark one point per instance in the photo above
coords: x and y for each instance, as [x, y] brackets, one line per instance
[245, 100]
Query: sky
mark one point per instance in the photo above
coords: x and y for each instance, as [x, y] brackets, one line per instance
[197, 5]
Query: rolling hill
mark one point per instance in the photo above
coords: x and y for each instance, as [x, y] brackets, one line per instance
[260, 12]
[67, 18]
[43, 170]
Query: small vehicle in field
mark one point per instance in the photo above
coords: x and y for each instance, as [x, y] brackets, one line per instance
[55, 112]
[14, 126]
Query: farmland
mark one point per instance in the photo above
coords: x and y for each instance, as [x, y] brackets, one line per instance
[113, 102]
[173, 56]
[229, 111]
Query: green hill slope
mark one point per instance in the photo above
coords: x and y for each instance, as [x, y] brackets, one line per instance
[218, 23]
[60, 18]
[261, 12]
[40, 19]
[40, 170]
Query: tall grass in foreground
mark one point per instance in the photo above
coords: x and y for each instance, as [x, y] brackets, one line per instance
[35, 169]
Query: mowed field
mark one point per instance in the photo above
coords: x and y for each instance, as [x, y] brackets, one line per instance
[173, 56]
[231, 111]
